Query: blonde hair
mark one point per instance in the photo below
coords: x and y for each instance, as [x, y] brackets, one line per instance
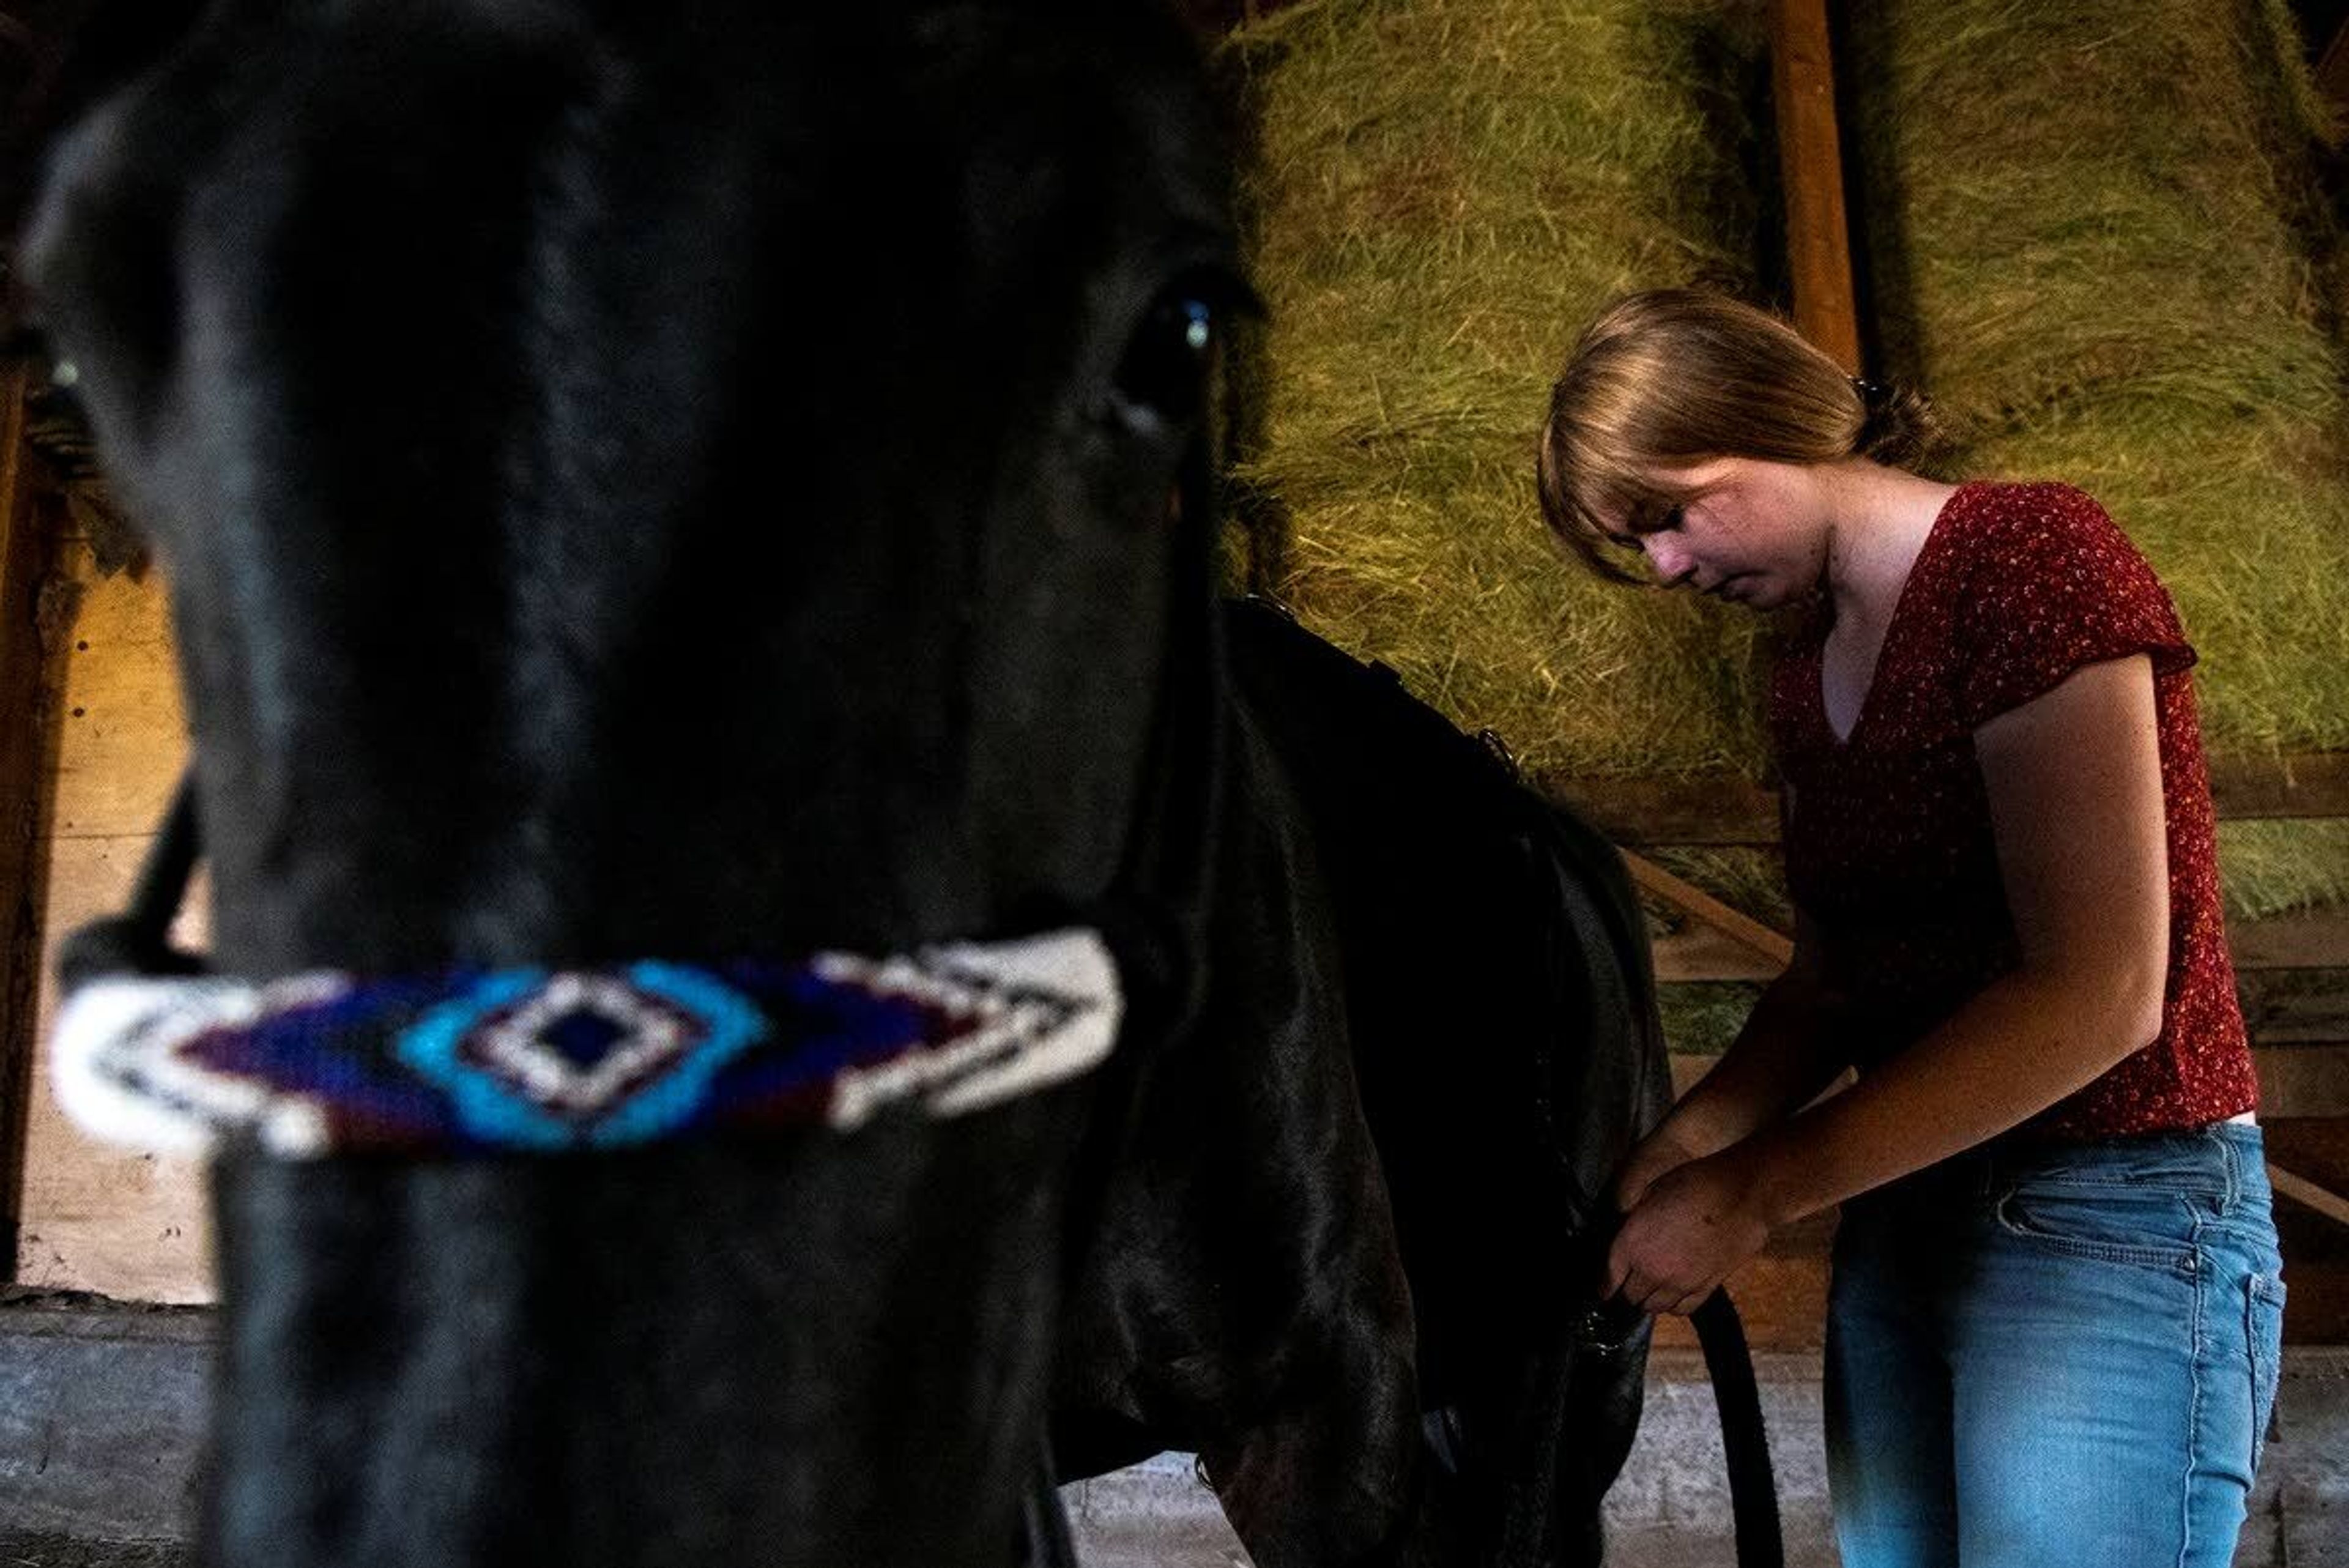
[1673, 377]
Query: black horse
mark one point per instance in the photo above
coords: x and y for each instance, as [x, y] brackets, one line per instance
[1353, 1216]
[685, 481]
[716, 483]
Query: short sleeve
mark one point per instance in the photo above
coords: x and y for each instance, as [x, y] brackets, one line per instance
[2053, 586]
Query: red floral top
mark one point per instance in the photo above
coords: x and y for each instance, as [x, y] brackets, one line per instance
[1888, 837]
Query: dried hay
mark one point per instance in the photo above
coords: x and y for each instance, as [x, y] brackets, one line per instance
[1442, 192]
[2097, 240]
[2093, 236]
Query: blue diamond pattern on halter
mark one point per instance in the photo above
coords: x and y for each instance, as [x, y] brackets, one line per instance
[549, 1061]
[584, 1037]
[467, 1061]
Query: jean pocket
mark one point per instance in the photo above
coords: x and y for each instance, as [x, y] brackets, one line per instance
[2263, 1296]
[2115, 1224]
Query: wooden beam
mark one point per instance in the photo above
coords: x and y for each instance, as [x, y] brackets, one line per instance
[2291, 785]
[1700, 953]
[2295, 1006]
[1712, 809]
[23, 733]
[2299, 1190]
[2307, 938]
[2303, 1080]
[1810, 158]
[2294, 1081]
[1729, 809]
[1770, 946]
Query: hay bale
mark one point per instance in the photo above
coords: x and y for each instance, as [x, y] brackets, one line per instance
[2282, 868]
[2060, 198]
[1751, 881]
[2097, 240]
[1442, 192]
[2094, 238]
[2246, 516]
[1702, 1018]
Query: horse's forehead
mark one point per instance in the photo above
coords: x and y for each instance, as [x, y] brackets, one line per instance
[893, 77]
[945, 169]
[994, 125]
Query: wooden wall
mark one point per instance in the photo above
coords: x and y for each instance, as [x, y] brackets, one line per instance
[94, 1218]
[24, 765]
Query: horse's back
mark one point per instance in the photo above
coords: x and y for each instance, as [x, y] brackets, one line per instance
[1498, 991]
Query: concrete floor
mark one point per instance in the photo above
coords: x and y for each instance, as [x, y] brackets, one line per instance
[1671, 1508]
[99, 1408]
[64, 1552]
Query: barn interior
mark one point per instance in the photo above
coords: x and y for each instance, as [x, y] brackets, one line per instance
[2104, 237]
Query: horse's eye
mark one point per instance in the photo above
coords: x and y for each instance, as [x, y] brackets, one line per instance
[1163, 379]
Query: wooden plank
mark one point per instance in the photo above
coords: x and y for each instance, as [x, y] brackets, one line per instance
[2299, 1190]
[125, 1225]
[1810, 157]
[2296, 1007]
[2292, 785]
[122, 736]
[1730, 809]
[1769, 946]
[1708, 809]
[2316, 1146]
[1699, 952]
[96, 1218]
[2312, 939]
[23, 756]
[2303, 1080]
[2309, 938]
[2294, 1080]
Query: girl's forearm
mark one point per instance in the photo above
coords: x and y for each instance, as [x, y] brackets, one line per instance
[1790, 1048]
[2022, 1044]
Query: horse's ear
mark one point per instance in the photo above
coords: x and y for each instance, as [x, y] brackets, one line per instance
[59, 56]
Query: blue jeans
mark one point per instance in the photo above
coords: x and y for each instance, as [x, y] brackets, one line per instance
[2055, 1355]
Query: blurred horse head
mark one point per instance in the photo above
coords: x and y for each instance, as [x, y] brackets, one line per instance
[686, 483]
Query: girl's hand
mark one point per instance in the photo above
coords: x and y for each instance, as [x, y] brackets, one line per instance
[1692, 1226]
[1661, 1152]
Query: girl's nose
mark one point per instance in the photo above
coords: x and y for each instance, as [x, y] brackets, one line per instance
[1667, 557]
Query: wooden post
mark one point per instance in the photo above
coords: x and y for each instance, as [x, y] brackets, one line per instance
[1810, 156]
[23, 731]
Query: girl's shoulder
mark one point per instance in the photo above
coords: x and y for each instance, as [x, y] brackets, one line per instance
[1996, 508]
[2040, 581]
[2019, 533]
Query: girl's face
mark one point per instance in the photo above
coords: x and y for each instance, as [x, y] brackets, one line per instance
[1752, 533]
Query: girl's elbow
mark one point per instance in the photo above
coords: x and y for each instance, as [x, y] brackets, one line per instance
[2139, 993]
[2118, 1004]
[2149, 1029]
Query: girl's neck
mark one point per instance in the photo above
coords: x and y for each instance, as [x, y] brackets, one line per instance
[1877, 520]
